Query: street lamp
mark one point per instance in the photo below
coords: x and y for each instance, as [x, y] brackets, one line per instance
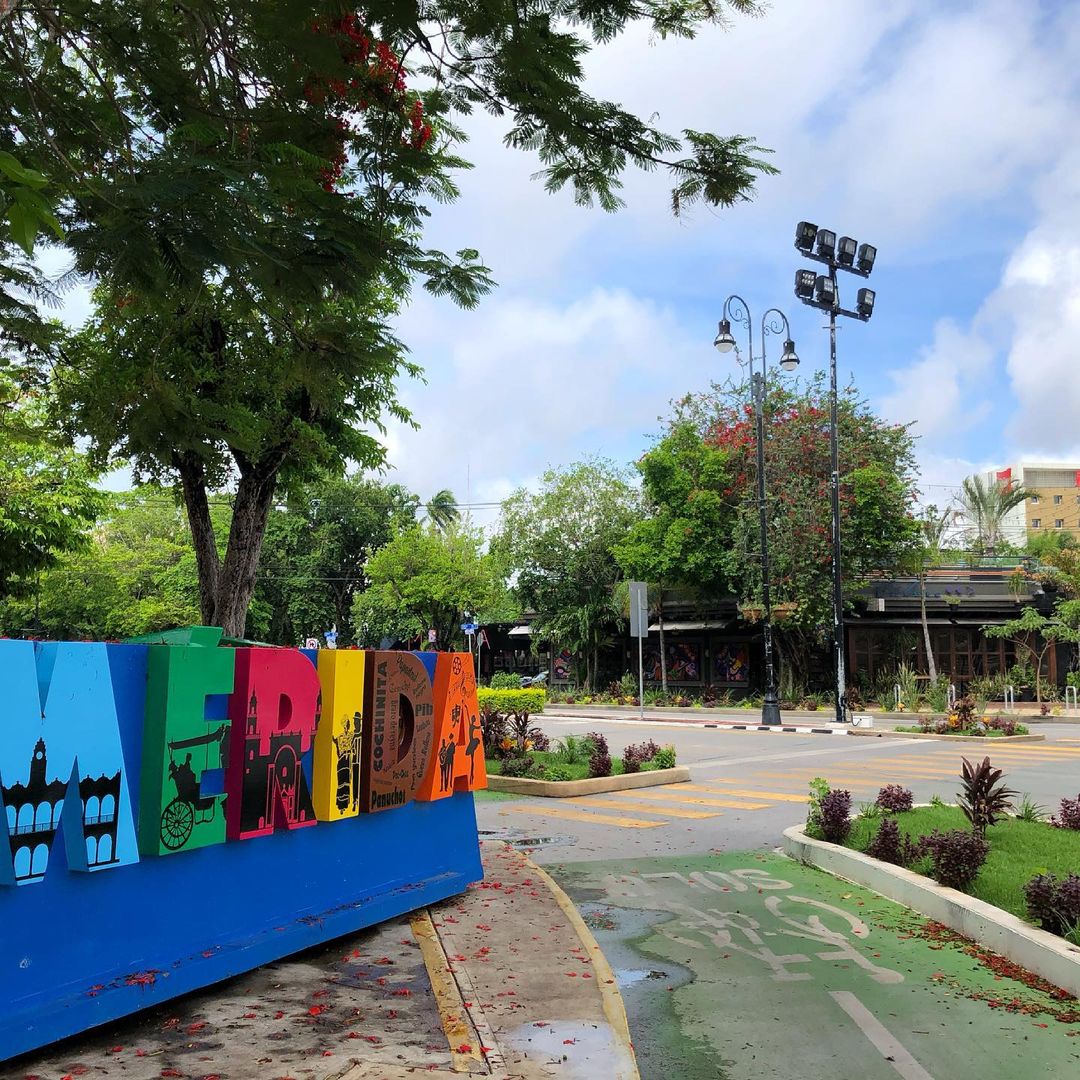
[821, 291]
[774, 321]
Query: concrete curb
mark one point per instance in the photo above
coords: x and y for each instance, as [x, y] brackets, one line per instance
[614, 1007]
[1043, 953]
[977, 740]
[564, 789]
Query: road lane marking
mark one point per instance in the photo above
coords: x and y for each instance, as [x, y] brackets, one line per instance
[883, 1040]
[775, 796]
[710, 799]
[640, 807]
[581, 815]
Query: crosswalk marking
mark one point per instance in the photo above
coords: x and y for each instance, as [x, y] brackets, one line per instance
[773, 796]
[641, 807]
[581, 815]
[676, 795]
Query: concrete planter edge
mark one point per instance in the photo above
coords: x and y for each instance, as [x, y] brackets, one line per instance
[564, 789]
[977, 740]
[1046, 954]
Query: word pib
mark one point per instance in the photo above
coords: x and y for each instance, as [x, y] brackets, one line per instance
[118, 752]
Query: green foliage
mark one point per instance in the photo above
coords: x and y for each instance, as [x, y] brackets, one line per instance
[664, 758]
[426, 578]
[984, 798]
[819, 788]
[907, 679]
[505, 680]
[559, 540]
[937, 694]
[572, 750]
[558, 772]
[1033, 635]
[527, 701]
[1029, 810]
[985, 504]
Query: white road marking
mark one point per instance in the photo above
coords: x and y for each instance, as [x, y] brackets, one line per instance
[886, 1044]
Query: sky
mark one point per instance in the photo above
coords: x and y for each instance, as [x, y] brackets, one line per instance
[947, 134]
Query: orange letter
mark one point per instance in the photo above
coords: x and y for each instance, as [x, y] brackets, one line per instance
[458, 764]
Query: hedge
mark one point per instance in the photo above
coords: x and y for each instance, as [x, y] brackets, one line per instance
[511, 701]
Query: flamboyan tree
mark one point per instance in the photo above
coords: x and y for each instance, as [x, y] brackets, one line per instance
[246, 181]
[700, 482]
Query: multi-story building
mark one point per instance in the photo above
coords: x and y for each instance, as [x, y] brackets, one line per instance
[1054, 504]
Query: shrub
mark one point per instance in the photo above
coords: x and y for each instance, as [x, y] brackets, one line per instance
[955, 856]
[964, 708]
[664, 758]
[627, 686]
[600, 758]
[836, 816]
[645, 751]
[1005, 724]
[518, 766]
[895, 798]
[1054, 904]
[572, 751]
[1070, 814]
[984, 798]
[530, 700]
[631, 759]
[886, 843]
[819, 788]
[526, 736]
[558, 772]
[1030, 810]
[504, 680]
[494, 730]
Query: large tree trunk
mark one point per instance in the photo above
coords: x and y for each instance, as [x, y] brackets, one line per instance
[207, 562]
[931, 667]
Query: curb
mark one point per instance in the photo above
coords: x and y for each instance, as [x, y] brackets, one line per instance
[614, 1007]
[564, 789]
[976, 740]
[781, 729]
[1036, 950]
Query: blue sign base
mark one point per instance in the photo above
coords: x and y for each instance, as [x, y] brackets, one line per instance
[78, 950]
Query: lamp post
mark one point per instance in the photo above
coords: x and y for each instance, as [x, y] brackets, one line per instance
[774, 321]
[823, 292]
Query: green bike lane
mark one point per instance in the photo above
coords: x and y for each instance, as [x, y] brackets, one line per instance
[750, 966]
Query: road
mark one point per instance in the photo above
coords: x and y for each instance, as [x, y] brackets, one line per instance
[737, 963]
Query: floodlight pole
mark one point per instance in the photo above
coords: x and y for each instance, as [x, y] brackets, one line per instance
[838, 581]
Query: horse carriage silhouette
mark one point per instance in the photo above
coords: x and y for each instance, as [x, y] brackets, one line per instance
[190, 807]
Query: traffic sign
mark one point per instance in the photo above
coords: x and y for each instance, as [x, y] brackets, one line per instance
[470, 627]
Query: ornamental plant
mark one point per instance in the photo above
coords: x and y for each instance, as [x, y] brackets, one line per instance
[892, 846]
[955, 856]
[895, 798]
[1069, 815]
[984, 798]
[632, 759]
[1054, 904]
[664, 758]
[600, 758]
[836, 816]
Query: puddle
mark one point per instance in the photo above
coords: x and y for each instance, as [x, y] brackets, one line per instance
[515, 840]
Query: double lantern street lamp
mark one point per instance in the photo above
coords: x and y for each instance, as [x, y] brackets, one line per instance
[821, 291]
[773, 322]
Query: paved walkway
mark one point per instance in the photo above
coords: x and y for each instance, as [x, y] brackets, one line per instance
[750, 966]
[505, 981]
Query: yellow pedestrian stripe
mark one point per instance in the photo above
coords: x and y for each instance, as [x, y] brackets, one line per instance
[640, 807]
[676, 795]
[580, 815]
[773, 796]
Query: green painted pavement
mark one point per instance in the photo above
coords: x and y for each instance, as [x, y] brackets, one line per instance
[747, 966]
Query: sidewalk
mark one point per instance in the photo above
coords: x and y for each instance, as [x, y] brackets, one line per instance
[801, 720]
[505, 981]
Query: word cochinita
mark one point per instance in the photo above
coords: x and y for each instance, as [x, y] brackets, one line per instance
[227, 744]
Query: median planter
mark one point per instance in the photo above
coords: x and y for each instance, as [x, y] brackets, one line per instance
[564, 789]
[975, 740]
[1046, 954]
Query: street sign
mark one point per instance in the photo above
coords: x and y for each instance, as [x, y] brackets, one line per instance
[432, 637]
[639, 609]
[470, 627]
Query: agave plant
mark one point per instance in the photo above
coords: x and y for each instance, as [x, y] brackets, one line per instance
[985, 798]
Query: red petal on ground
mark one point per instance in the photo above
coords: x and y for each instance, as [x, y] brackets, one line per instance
[315, 1010]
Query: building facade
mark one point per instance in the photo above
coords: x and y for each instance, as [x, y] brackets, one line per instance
[1054, 503]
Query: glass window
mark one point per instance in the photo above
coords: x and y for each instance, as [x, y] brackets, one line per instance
[1034, 498]
[1059, 523]
[1057, 500]
[1036, 522]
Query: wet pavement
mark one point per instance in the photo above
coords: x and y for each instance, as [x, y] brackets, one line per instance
[750, 966]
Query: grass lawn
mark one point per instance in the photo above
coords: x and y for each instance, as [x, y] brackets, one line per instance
[1018, 851]
[579, 771]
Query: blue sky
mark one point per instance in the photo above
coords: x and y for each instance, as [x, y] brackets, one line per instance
[945, 133]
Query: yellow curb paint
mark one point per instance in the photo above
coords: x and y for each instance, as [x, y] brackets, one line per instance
[614, 1008]
[448, 998]
[700, 800]
[639, 807]
[775, 796]
[580, 815]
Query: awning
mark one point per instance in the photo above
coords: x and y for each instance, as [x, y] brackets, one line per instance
[520, 631]
[702, 624]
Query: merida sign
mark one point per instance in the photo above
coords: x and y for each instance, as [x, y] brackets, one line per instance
[175, 813]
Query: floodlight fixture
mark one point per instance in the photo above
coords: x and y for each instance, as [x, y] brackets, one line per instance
[865, 303]
[825, 291]
[867, 255]
[724, 341]
[789, 361]
[804, 284]
[805, 234]
[845, 251]
[826, 243]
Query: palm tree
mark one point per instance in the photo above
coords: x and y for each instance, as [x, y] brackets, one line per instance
[985, 504]
[442, 510]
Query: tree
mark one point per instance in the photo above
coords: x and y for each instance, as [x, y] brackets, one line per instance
[47, 494]
[933, 526]
[314, 556]
[1034, 634]
[247, 183]
[702, 478]
[134, 575]
[442, 510]
[560, 543]
[985, 504]
[426, 579]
